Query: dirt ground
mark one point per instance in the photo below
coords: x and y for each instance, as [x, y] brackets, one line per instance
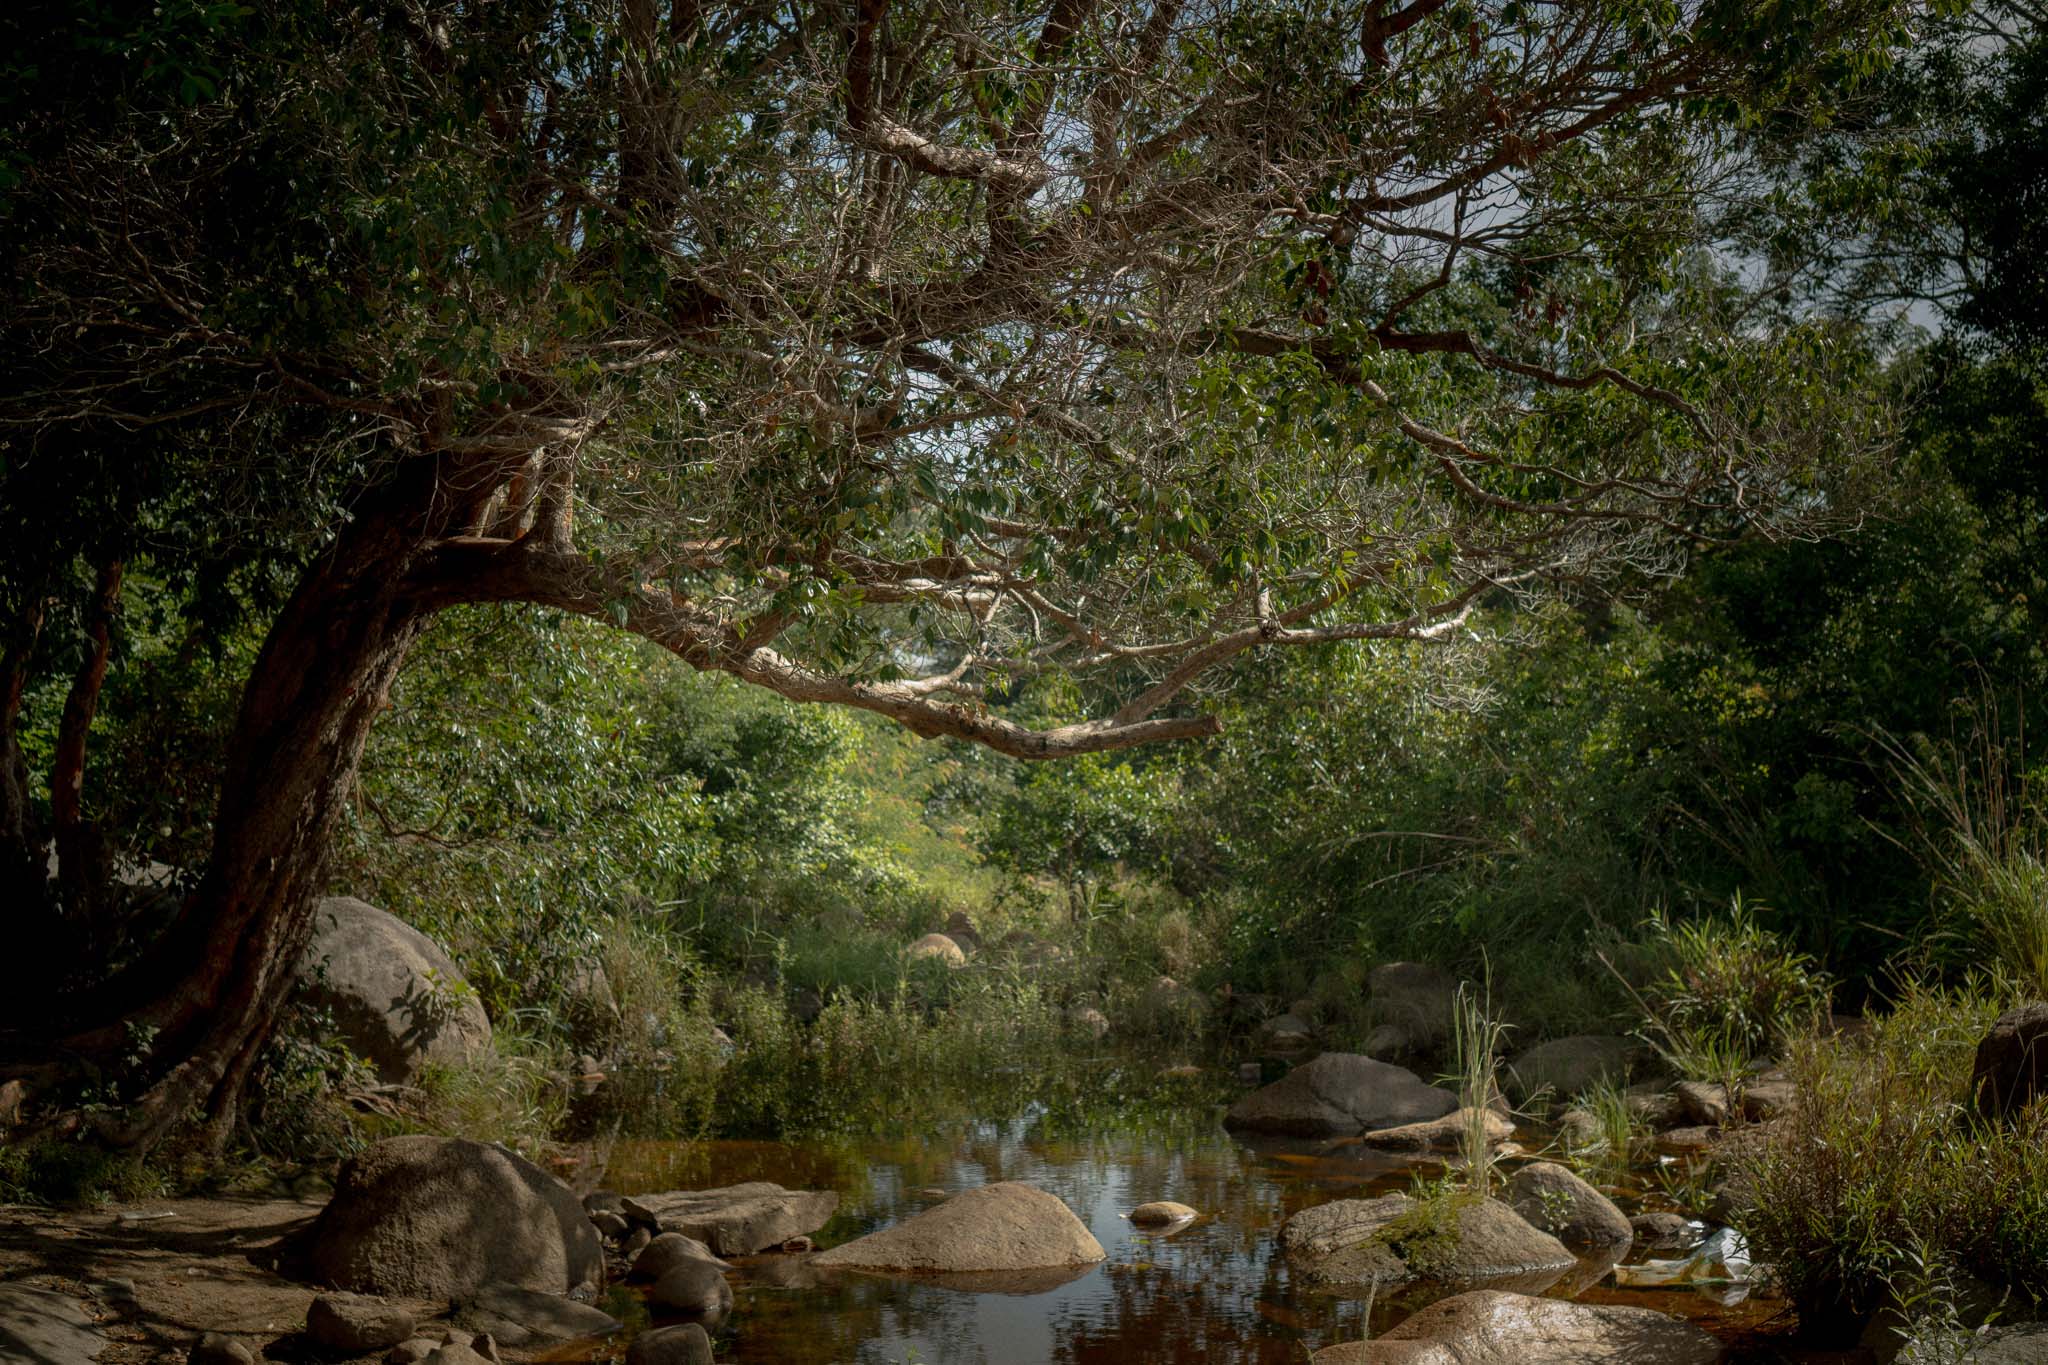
[153, 1283]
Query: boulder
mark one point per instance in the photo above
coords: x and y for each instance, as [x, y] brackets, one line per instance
[936, 947]
[527, 1317]
[1665, 1231]
[1488, 1327]
[692, 1287]
[478, 1350]
[684, 1344]
[212, 1348]
[1161, 1213]
[1089, 1020]
[1566, 1066]
[668, 1251]
[1415, 998]
[396, 996]
[961, 930]
[2012, 1062]
[440, 1218]
[1768, 1097]
[1394, 1239]
[351, 1324]
[1446, 1134]
[1008, 1226]
[1553, 1198]
[1705, 1102]
[1286, 1031]
[736, 1220]
[1339, 1094]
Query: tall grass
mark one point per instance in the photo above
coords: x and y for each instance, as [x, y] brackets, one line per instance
[1477, 1037]
[1882, 1171]
[1984, 840]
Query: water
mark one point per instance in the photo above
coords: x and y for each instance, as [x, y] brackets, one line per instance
[1219, 1290]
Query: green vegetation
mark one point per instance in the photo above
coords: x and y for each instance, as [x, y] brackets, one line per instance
[1883, 1173]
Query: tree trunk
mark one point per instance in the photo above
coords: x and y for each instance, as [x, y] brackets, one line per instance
[83, 870]
[203, 999]
[21, 864]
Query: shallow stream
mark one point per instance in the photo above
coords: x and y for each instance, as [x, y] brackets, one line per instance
[1217, 1291]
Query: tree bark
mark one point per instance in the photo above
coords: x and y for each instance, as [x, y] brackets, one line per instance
[21, 866]
[203, 1000]
[82, 870]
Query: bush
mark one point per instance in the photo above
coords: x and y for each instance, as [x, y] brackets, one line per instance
[1883, 1169]
[1730, 992]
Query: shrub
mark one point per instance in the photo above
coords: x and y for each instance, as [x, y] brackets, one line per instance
[1730, 992]
[1882, 1168]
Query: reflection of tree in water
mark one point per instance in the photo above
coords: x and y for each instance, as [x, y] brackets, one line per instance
[851, 1318]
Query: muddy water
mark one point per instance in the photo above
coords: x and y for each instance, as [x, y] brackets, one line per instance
[1217, 1291]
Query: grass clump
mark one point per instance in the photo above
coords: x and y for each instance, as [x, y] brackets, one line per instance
[60, 1172]
[1476, 1042]
[1427, 1235]
[1883, 1170]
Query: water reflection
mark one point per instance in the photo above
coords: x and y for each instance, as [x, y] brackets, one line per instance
[1216, 1290]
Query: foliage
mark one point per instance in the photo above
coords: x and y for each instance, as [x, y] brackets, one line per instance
[1731, 992]
[1882, 1166]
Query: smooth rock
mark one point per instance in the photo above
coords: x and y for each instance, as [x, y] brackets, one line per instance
[395, 995]
[478, 1350]
[693, 1287]
[1769, 1097]
[668, 1251]
[1566, 1066]
[44, 1327]
[1385, 1240]
[1488, 1327]
[440, 1218]
[1655, 1106]
[527, 1317]
[684, 1344]
[1388, 1040]
[411, 1351]
[351, 1324]
[1008, 1226]
[1161, 1213]
[2011, 1066]
[937, 947]
[1446, 1134]
[1705, 1102]
[610, 1225]
[637, 1241]
[736, 1220]
[1338, 1094]
[1688, 1141]
[603, 1201]
[1287, 1030]
[1663, 1231]
[212, 1348]
[1555, 1199]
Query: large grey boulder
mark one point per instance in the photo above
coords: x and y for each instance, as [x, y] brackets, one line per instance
[735, 1220]
[1009, 1226]
[1556, 1200]
[1488, 1327]
[396, 996]
[1339, 1094]
[1566, 1066]
[1395, 1239]
[2011, 1067]
[441, 1218]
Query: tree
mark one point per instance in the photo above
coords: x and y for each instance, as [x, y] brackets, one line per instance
[887, 353]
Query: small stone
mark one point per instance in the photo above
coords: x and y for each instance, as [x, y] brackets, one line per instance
[609, 1225]
[118, 1289]
[937, 946]
[411, 1351]
[798, 1246]
[684, 1344]
[693, 1287]
[1249, 1073]
[1664, 1232]
[352, 1324]
[218, 1348]
[668, 1251]
[1161, 1213]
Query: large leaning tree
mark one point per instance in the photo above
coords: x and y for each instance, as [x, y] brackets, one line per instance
[876, 352]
